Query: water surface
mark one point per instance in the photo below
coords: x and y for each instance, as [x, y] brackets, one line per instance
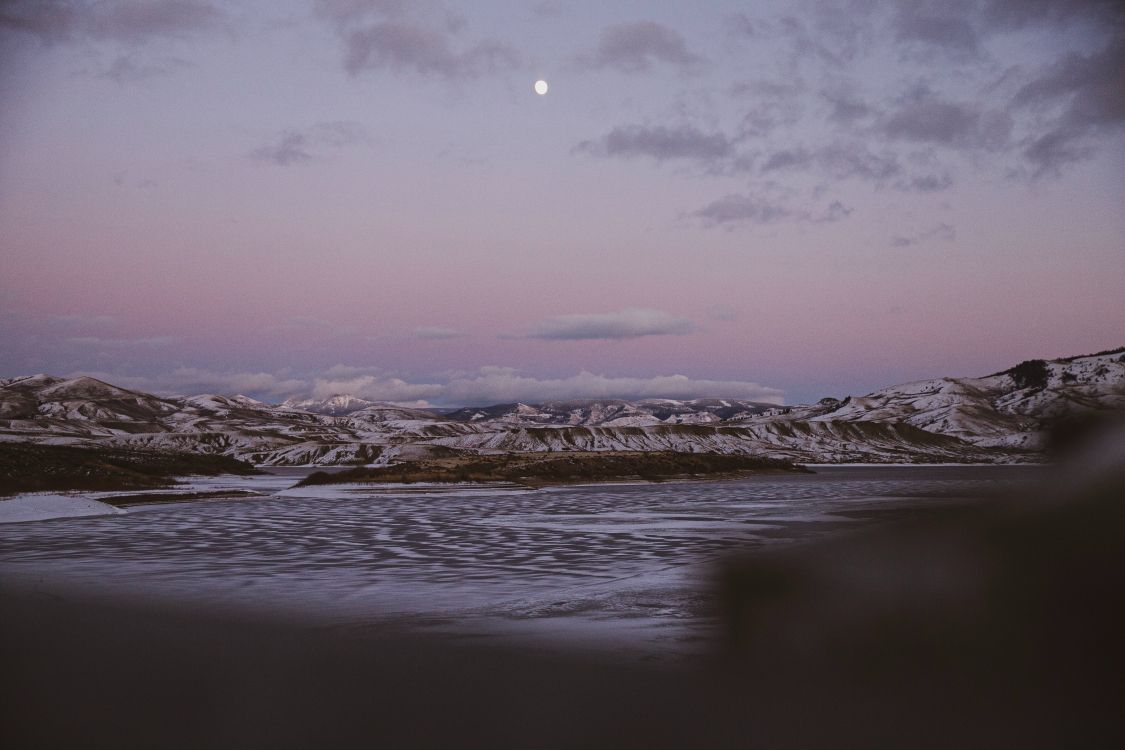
[621, 566]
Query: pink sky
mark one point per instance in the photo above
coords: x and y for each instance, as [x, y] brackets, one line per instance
[237, 201]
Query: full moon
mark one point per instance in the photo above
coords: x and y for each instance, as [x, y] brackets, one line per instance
[541, 87]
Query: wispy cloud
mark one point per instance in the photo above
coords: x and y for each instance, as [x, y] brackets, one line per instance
[961, 99]
[1080, 96]
[192, 380]
[924, 116]
[626, 324]
[296, 146]
[660, 143]
[491, 385]
[943, 231]
[922, 29]
[638, 47]
[722, 312]
[437, 333]
[488, 385]
[97, 341]
[82, 320]
[738, 208]
[126, 21]
[402, 37]
[130, 68]
[735, 209]
[311, 326]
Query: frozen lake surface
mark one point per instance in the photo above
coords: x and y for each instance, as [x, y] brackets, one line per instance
[624, 566]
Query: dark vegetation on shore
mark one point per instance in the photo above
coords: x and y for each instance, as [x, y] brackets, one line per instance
[537, 469]
[26, 467]
[150, 498]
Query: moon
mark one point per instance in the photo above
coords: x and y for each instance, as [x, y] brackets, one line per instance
[541, 87]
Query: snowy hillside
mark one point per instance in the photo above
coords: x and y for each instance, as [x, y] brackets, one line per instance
[1001, 417]
[1010, 409]
[613, 412]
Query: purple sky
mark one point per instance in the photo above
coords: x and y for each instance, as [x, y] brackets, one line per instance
[779, 201]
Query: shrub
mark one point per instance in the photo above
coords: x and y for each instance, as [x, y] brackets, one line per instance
[1031, 373]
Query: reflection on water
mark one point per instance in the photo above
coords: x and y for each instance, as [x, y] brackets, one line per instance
[614, 563]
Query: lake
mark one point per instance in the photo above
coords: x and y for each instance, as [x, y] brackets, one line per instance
[623, 568]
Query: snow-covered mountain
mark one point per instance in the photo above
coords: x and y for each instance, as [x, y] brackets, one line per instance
[342, 403]
[1000, 417]
[1011, 409]
[613, 412]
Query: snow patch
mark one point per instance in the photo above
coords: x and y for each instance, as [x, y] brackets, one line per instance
[42, 506]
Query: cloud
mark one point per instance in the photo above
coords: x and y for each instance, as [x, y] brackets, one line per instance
[926, 183]
[786, 158]
[626, 324]
[660, 143]
[742, 208]
[82, 320]
[401, 47]
[127, 68]
[291, 148]
[377, 388]
[127, 21]
[957, 95]
[296, 146]
[549, 8]
[115, 343]
[310, 327]
[833, 35]
[846, 107]
[834, 212]
[923, 116]
[1081, 96]
[950, 33]
[722, 312]
[853, 159]
[192, 380]
[351, 11]
[857, 160]
[505, 385]
[932, 121]
[734, 209]
[942, 231]
[493, 385]
[133, 21]
[488, 385]
[437, 333]
[300, 324]
[1050, 152]
[637, 47]
[1006, 15]
[402, 37]
[770, 105]
[743, 25]
[840, 160]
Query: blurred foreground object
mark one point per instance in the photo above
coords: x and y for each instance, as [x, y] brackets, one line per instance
[994, 623]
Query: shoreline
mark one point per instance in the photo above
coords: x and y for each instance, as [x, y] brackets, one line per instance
[126, 501]
[537, 485]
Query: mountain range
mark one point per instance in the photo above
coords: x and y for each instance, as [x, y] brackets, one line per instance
[999, 418]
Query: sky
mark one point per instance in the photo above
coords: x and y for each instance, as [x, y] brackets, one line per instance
[777, 201]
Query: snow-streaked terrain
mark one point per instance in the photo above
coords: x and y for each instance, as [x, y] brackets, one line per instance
[40, 506]
[626, 566]
[998, 418]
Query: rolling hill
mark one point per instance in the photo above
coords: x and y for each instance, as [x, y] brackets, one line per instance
[1003, 417]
